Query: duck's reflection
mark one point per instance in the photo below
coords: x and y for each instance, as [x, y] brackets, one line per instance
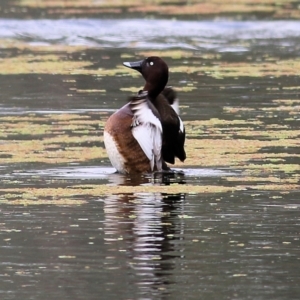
[148, 227]
[161, 178]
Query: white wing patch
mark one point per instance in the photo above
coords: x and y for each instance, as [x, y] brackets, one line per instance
[181, 127]
[147, 130]
[175, 105]
[114, 155]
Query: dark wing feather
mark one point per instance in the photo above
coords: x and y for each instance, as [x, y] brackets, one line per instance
[173, 137]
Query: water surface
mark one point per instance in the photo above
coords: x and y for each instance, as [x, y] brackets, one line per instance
[128, 33]
[226, 227]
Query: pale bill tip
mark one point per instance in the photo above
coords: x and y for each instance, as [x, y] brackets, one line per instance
[127, 64]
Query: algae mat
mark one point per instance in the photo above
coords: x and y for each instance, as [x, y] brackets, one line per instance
[241, 116]
[197, 9]
[68, 139]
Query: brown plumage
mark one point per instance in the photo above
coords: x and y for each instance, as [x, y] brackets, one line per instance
[117, 126]
[147, 128]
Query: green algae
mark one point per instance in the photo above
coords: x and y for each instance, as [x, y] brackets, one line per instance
[237, 142]
[65, 138]
[176, 8]
[73, 195]
[59, 60]
[232, 141]
[218, 143]
[243, 69]
[41, 64]
[133, 89]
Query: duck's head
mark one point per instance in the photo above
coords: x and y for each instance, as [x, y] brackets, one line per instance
[154, 70]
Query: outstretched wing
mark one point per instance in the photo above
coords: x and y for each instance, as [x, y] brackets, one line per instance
[147, 129]
[173, 128]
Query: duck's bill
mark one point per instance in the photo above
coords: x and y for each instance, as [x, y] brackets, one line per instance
[136, 65]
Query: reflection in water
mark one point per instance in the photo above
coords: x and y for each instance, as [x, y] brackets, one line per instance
[149, 224]
[165, 178]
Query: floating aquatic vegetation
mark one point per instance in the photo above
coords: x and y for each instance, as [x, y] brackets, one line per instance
[174, 54]
[130, 89]
[234, 143]
[243, 69]
[245, 138]
[235, 9]
[65, 138]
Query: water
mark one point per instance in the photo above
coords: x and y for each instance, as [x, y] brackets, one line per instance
[192, 35]
[227, 228]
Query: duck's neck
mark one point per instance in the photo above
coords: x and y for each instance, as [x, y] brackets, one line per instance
[154, 90]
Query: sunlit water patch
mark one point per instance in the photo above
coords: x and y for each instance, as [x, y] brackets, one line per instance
[95, 172]
[70, 173]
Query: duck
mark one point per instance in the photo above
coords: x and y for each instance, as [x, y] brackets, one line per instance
[147, 132]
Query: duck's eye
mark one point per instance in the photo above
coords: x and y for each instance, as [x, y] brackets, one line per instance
[151, 63]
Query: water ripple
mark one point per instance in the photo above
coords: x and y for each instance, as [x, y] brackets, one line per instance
[228, 36]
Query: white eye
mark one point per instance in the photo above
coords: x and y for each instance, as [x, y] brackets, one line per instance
[151, 63]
